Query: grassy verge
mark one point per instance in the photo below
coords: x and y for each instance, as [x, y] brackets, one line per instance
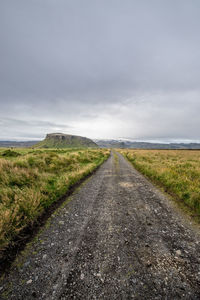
[116, 160]
[177, 171]
[31, 180]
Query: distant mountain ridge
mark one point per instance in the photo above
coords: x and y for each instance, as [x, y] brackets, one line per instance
[17, 144]
[61, 140]
[101, 143]
[145, 145]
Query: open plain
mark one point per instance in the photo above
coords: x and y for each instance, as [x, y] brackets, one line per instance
[117, 237]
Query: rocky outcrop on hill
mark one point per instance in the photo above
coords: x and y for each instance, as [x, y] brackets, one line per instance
[61, 140]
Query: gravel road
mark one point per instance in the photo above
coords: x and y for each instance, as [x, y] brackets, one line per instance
[118, 238]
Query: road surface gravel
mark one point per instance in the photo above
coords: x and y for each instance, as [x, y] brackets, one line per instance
[118, 237]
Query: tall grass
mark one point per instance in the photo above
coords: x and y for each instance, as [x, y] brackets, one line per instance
[31, 181]
[178, 171]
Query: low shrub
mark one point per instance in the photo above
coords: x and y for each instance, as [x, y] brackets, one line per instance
[10, 153]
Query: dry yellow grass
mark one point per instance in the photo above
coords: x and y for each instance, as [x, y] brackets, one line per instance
[178, 171]
[31, 181]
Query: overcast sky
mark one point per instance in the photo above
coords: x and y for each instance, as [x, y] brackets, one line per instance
[100, 68]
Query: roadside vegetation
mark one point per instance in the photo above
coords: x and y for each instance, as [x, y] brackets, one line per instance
[177, 171]
[31, 180]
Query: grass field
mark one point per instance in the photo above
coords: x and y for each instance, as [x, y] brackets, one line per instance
[31, 180]
[177, 171]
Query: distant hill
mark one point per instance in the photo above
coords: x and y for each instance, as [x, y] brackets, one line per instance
[144, 145]
[60, 140]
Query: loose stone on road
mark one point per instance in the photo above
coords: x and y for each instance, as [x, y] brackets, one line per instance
[118, 238]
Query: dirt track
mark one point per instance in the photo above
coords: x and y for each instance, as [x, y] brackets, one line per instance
[118, 238]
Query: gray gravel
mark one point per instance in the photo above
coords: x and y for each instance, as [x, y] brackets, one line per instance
[118, 238]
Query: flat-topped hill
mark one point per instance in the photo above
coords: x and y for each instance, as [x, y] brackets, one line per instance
[61, 140]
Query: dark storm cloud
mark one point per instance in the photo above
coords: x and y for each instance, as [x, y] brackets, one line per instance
[129, 68]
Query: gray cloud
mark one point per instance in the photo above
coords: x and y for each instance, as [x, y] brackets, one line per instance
[100, 68]
[18, 129]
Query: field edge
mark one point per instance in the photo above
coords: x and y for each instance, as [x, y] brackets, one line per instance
[188, 211]
[28, 234]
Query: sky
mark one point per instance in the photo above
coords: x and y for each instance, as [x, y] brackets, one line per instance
[100, 68]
